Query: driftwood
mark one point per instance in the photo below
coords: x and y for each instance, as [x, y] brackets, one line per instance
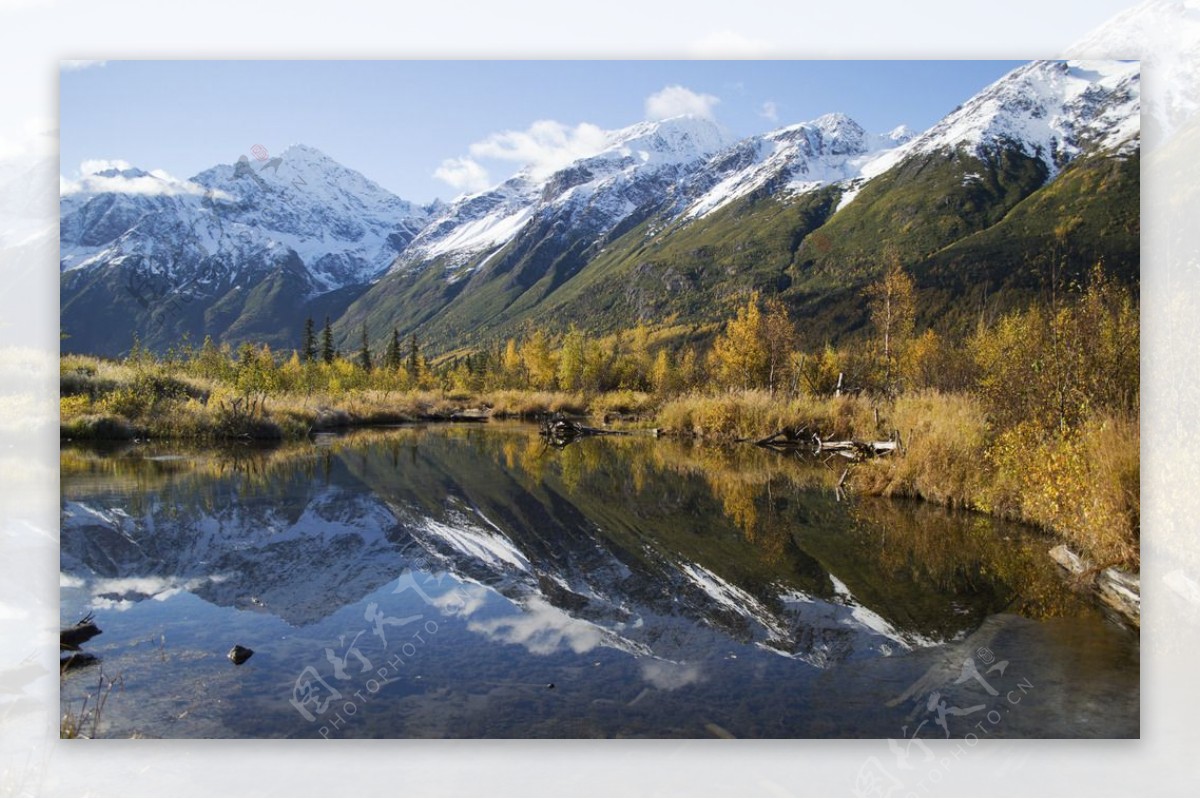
[84, 630]
[1117, 589]
[560, 431]
[471, 415]
[855, 450]
[788, 440]
[838, 491]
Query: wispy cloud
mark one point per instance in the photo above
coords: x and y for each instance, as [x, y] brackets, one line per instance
[542, 149]
[769, 110]
[675, 101]
[545, 146]
[117, 176]
[543, 629]
[463, 174]
[667, 675]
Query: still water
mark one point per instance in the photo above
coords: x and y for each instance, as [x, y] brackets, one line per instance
[468, 581]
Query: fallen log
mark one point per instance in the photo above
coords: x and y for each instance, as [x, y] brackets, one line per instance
[560, 431]
[1117, 589]
[787, 438]
[855, 450]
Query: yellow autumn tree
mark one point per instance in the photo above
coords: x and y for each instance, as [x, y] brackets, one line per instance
[739, 357]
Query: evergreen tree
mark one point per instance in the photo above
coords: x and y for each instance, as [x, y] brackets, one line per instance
[364, 352]
[392, 358]
[327, 351]
[310, 341]
[414, 357]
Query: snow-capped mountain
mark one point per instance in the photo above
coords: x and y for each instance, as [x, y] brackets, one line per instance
[638, 165]
[1051, 110]
[793, 159]
[178, 246]
[246, 251]
[345, 228]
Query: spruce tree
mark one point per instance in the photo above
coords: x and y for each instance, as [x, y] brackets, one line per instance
[327, 351]
[310, 341]
[392, 358]
[414, 357]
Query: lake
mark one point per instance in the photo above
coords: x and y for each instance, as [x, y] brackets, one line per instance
[469, 581]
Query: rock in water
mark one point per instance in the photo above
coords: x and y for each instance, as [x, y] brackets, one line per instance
[239, 654]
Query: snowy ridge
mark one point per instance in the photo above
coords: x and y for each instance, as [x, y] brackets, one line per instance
[342, 227]
[637, 165]
[801, 158]
[492, 548]
[1053, 110]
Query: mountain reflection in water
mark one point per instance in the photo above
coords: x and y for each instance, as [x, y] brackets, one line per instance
[469, 581]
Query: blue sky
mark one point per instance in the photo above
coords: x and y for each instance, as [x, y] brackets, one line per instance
[405, 123]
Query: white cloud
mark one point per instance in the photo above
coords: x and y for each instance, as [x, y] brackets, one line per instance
[769, 110]
[157, 182]
[666, 675]
[542, 629]
[462, 601]
[464, 174]
[676, 101]
[94, 165]
[71, 66]
[544, 147]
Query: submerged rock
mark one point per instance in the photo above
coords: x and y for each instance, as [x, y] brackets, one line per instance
[240, 654]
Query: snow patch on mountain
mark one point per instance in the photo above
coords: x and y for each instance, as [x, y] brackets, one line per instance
[797, 158]
[343, 228]
[635, 166]
[1052, 110]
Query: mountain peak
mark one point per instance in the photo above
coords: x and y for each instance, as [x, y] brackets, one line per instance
[127, 172]
[1054, 110]
[681, 138]
[835, 123]
[301, 151]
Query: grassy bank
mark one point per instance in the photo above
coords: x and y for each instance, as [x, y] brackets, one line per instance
[1082, 485]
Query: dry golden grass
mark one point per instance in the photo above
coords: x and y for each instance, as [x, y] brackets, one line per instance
[943, 438]
[755, 414]
[1083, 485]
[517, 403]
